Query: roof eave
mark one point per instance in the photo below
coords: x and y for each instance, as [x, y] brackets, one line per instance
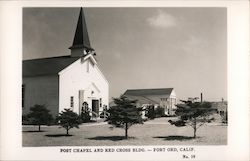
[80, 47]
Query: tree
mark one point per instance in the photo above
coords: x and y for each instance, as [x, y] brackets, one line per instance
[124, 114]
[194, 114]
[68, 120]
[39, 115]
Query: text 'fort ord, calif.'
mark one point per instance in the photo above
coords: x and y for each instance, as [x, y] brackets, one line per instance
[185, 152]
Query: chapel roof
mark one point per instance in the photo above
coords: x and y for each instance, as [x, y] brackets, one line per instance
[46, 66]
[155, 91]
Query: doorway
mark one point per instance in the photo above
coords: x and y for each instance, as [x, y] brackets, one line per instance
[95, 106]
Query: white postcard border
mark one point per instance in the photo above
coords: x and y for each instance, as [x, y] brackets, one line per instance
[11, 80]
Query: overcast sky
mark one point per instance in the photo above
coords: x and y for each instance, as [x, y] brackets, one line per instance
[183, 48]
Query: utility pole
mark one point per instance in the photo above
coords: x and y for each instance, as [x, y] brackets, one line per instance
[201, 97]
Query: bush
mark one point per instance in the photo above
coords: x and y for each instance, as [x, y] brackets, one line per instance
[150, 112]
[85, 113]
[85, 116]
[159, 112]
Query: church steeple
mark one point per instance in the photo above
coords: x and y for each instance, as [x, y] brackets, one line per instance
[81, 44]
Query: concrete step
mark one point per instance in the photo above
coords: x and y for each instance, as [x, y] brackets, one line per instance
[98, 119]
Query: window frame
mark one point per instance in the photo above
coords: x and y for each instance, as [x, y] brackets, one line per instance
[72, 101]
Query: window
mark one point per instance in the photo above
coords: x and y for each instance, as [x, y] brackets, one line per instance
[23, 94]
[164, 99]
[71, 101]
[100, 102]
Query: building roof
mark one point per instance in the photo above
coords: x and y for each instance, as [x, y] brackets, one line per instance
[46, 66]
[156, 91]
[143, 100]
[81, 39]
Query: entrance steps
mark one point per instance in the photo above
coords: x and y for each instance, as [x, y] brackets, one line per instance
[98, 119]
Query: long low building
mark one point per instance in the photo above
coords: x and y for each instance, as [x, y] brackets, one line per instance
[158, 97]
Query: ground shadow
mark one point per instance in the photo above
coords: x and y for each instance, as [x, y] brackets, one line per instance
[112, 138]
[31, 131]
[176, 137]
[58, 135]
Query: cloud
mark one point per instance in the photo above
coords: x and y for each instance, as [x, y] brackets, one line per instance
[162, 20]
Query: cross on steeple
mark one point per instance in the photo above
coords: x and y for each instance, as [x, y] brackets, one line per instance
[81, 44]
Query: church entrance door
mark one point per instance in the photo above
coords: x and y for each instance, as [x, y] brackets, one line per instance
[95, 106]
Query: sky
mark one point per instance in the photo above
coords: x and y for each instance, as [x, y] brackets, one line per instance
[180, 48]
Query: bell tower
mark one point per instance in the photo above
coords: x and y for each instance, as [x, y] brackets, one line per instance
[81, 44]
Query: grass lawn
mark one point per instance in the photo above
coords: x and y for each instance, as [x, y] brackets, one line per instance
[155, 132]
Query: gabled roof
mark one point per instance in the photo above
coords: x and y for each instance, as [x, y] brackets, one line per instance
[46, 66]
[91, 57]
[81, 39]
[156, 91]
[142, 100]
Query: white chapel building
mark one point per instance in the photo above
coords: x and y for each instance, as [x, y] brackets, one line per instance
[66, 81]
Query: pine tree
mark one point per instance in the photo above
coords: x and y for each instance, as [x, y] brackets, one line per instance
[124, 114]
[68, 120]
[194, 114]
[39, 115]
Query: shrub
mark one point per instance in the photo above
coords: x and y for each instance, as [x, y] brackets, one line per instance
[85, 116]
[150, 112]
[159, 112]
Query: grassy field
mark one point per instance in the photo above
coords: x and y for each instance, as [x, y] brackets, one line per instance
[155, 132]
